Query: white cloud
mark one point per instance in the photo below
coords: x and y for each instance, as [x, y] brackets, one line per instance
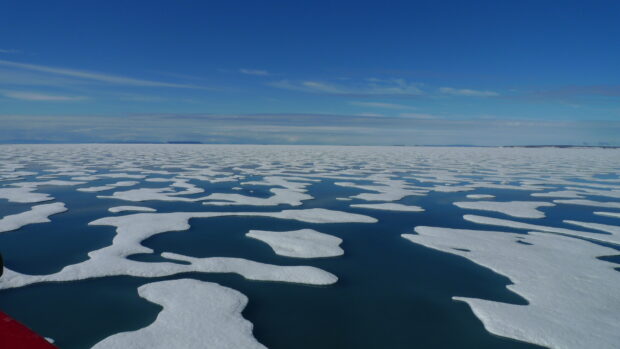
[33, 96]
[9, 51]
[381, 105]
[257, 72]
[467, 92]
[111, 79]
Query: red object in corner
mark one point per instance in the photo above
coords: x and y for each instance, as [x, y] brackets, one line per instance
[14, 335]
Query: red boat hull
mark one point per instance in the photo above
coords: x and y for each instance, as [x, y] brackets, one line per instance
[14, 335]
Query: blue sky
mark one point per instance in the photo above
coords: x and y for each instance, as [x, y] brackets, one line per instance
[340, 72]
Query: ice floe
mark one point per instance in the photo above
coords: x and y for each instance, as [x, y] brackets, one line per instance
[134, 228]
[108, 186]
[608, 214]
[389, 206]
[303, 243]
[480, 196]
[612, 239]
[521, 209]
[611, 229]
[569, 194]
[110, 262]
[387, 189]
[319, 215]
[37, 214]
[23, 192]
[589, 203]
[146, 194]
[195, 314]
[280, 197]
[570, 292]
[23, 195]
[118, 209]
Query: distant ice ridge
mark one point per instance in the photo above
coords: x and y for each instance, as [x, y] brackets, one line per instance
[303, 243]
[196, 315]
[572, 295]
[521, 209]
[37, 214]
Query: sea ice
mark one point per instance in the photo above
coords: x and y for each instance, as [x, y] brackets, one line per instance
[108, 186]
[303, 243]
[318, 215]
[117, 209]
[23, 195]
[281, 197]
[569, 194]
[480, 196]
[388, 206]
[387, 190]
[572, 294]
[521, 209]
[589, 203]
[195, 314]
[611, 229]
[612, 239]
[133, 229]
[608, 214]
[37, 214]
[146, 194]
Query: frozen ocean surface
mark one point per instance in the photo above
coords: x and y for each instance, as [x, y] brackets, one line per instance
[228, 246]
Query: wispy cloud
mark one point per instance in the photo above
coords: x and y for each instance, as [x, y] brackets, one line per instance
[366, 87]
[381, 105]
[142, 98]
[257, 72]
[33, 96]
[370, 114]
[9, 51]
[570, 92]
[93, 76]
[467, 92]
[419, 116]
[302, 129]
